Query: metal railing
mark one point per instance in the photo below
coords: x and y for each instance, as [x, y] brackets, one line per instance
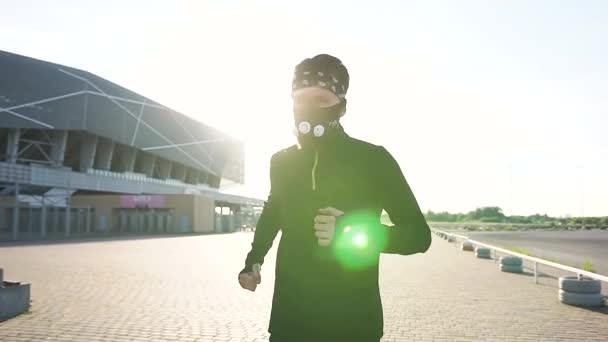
[535, 260]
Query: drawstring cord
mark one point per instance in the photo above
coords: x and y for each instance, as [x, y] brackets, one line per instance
[314, 170]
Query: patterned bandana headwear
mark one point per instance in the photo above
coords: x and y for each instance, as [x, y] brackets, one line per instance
[323, 71]
[314, 127]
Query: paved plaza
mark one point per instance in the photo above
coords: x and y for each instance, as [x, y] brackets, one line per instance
[185, 289]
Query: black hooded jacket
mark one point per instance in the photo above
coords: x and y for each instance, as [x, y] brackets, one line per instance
[316, 294]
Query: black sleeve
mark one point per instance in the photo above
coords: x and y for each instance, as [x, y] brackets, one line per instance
[410, 233]
[268, 224]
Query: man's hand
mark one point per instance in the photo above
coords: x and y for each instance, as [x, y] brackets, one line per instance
[250, 280]
[325, 225]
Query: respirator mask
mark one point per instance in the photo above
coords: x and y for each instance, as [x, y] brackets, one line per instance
[314, 126]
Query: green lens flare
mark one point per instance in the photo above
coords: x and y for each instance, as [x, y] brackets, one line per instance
[360, 240]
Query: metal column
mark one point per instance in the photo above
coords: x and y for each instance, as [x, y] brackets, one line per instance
[16, 213]
[78, 221]
[56, 220]
[68, 214]
[88, 220]
[29, 220]
[43, 219]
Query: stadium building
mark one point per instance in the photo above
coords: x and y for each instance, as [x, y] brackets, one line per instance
[82, 156]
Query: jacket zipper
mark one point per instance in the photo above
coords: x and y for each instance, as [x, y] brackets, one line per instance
[314, 170]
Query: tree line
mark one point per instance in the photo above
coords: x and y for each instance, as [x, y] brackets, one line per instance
[496, 215]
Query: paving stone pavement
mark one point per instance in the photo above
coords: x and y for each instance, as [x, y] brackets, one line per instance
[186, 289]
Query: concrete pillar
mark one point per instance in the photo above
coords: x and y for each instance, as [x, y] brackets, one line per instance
[78, 220]
[142, 222]
[30, 220]
[88, 219]
[164, 167]
[202, 177]
[147, 163]
[219, 164]
[68, 214]
[214, 181]
[137, 219]
[56, 220]
[16, 213]
[104, 155]
[218, 223]
[43, 219]
[230, 222]
[59, 139]
[88, 147]
[12, 146]
[170, 223]
[127, 162]
[192, 176]
[178, 172]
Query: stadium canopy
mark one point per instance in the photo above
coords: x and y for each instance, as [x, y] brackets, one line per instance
[42, 95]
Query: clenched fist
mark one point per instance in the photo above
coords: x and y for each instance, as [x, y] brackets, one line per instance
[251, 280]
[325, 225]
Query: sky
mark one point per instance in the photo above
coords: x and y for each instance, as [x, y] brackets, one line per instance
[482, 103]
